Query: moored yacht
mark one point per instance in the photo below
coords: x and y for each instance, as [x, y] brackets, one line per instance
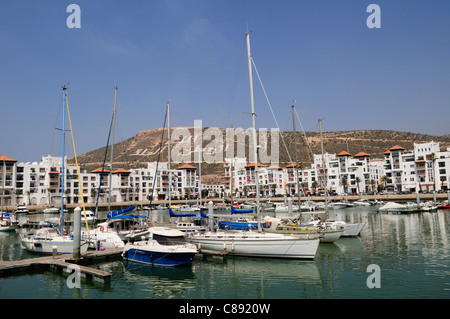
[165, 247]
[46, 239]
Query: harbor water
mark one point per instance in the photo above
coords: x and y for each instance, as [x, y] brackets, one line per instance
[409, 252]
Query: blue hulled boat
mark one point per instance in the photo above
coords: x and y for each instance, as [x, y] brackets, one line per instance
[241, 211]
[242, 224]
[166, 247]
[121, 212]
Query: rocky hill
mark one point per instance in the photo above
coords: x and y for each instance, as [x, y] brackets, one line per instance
[144, 147]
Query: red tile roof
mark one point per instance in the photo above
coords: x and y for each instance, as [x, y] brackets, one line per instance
[186, 166]
[6, 159]
[397, 148]
[253, 165]
[344, 153]
[99, 170]
[121, 170]
[362, 154]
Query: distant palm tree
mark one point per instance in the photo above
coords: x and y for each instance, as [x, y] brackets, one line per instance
[385, 179]
[274, 187]
[93, 194]
[433, 159]
[314, 185]
[372, 185]
[344, 183]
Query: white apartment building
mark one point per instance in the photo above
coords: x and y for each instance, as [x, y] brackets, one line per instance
[426, 168]
[40, 183]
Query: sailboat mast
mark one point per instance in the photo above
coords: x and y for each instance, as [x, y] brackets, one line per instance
[62, 158]
[168, 152]
[112, 148]
[255, 148]
[324, 170]
[295, 155]
[231, 170]
[200, 174]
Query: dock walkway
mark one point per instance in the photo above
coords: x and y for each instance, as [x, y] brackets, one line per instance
[63, 261]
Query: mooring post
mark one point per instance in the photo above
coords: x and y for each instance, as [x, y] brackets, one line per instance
[76, 234]
[210, 215]
[289, 207]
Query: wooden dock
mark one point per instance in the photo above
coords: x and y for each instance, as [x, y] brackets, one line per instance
[64, 262]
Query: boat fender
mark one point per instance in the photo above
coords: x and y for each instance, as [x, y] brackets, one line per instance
[102, 229]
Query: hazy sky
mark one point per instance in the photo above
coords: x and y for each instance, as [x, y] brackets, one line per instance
[319, 53]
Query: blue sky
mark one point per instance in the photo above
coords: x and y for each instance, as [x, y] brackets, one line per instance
[319, 53]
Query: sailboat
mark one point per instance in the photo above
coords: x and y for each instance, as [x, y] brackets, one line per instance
[105, 235]
[166, 246]
[257, 243]
[349, 229]
[45, 240]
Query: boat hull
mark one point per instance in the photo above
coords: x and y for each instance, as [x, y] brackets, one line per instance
[46, 246]
[352, 230]
[8, 228]
[326, 236]
[258, 244]
[158, 255]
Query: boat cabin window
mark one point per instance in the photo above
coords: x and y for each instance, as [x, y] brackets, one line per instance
[164, 240]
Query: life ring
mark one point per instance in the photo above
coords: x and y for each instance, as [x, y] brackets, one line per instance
[102, 229]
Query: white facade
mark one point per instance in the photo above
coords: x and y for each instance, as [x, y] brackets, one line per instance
[426, 168]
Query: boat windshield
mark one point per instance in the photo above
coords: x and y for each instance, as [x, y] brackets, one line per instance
[168, 241]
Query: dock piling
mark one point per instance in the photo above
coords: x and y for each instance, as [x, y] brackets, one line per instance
[76, 233]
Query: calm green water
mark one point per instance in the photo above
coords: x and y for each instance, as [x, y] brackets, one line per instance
[412, 252]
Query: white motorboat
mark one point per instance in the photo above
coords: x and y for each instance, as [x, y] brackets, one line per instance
[309, 207]
[337, 205]
[362, 202]
[189, 209]
[99, 239]
[127, 227]
[51, 210]
[189, 228]
[428, 206]
[45, 240]
[89, 216]
[283, 208]
[393, 207]
[165, 247]
[22, 209]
